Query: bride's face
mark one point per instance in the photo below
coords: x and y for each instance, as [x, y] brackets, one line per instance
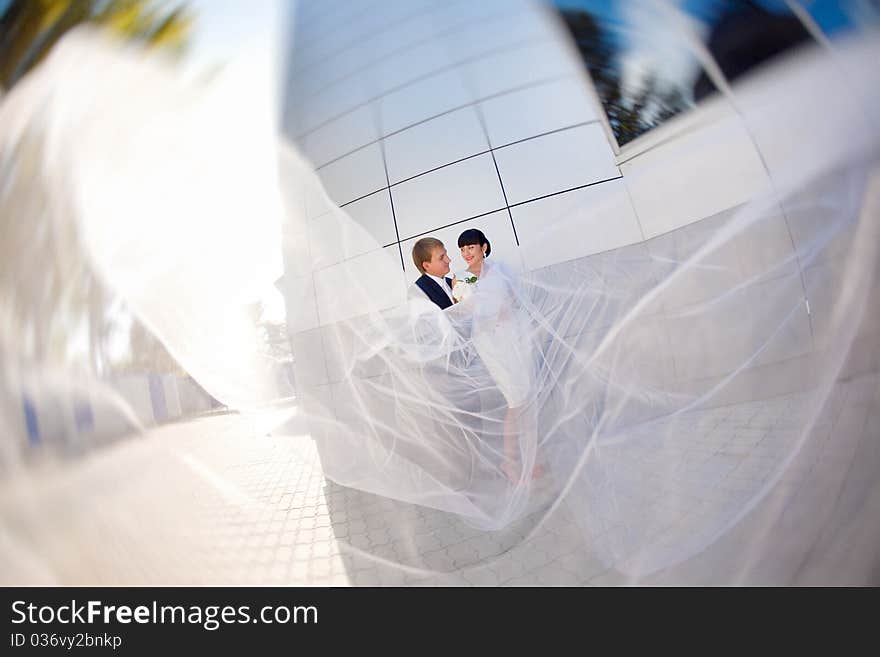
[473, 254]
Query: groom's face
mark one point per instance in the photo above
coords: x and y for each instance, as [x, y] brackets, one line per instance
[439, 264]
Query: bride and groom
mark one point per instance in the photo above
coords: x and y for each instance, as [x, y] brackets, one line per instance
[432, 260]
[487, 298]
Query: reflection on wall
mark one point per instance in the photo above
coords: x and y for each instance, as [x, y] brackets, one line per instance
[645, 74]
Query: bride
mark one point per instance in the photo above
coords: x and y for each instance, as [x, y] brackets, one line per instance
[502, 338]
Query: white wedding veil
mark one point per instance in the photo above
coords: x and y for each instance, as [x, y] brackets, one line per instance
[694, 406]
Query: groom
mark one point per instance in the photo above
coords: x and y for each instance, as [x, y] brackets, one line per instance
[429, 256]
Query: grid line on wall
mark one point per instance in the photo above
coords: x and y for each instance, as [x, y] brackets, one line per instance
[475, 100]
[425, 9]
[362, 197]
[512, 205]
[390, 195]
[507, 205]
[457, 108]
[438, 37]
[489, 53]
[497, 171]
[565, 191]
[461, 159]
[458, 161]
[486, 214]
[454, 223]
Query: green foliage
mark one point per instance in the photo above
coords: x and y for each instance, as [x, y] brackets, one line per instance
[30, 28]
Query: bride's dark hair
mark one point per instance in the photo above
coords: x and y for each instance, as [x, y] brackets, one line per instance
[474, 236]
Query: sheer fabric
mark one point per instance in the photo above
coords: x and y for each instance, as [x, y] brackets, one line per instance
[665, 389]
[656, 399]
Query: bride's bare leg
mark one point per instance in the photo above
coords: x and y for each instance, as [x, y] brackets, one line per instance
[511, 466]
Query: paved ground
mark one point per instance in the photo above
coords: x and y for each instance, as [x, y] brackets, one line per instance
[218, 501]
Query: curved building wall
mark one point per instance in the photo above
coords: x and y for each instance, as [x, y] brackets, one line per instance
[425, 117]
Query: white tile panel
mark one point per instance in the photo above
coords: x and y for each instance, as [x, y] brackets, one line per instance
[360, 285]
[341, 341]
[422, 100]
[316, 201]
[337, 340]
[761, 249]
[693, 176]
[341, 136]
[292, 119]
[555, 162]
[536, 110]
[299, 300]
[576, 224]
[315, 78]
[394, 251]
[358, 228]
[301, 194]
[319, 75]
[806, 118]
[347, 67]
[351, 41]
[373, 214]
[434, 143]
[499, 25]
[330, 103]
[408, 51]
[405, 68]
[325, 238]
[511, 69]
[638, 352]
[296, 248]
[308, 357]
[829, 291]
[447, 195]
[401, 39]
[337, 36]
[783, 333]
[427, 39]
[317, 402]
[458, 15]
[495, 226]
[355, 175]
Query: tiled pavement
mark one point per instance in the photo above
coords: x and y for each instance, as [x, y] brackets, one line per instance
[223, 501]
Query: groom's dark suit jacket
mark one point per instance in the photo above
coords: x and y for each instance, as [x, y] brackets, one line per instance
[435, 293]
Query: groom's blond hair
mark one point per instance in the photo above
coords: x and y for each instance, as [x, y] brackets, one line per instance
[423, 251]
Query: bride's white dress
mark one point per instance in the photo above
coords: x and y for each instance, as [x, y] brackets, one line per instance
[502, 335]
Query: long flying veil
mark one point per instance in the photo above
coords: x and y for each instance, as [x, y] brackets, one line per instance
[651, 464]
[662, 409]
